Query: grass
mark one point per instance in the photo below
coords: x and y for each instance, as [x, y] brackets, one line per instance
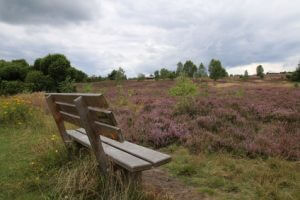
[36, 165]
[223, 176]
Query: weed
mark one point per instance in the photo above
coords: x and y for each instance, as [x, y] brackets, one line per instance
[88, 87]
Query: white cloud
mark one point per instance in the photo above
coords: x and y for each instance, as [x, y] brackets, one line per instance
[142, 36]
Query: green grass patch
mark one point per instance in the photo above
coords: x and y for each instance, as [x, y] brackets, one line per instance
[223, 176]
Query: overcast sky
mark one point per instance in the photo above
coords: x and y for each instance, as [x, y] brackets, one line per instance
[142, 36]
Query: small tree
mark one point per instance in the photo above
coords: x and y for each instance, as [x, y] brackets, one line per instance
[189, 68]
[179, 68]
[216, 70]
[141, 77]
[202, 70]
[246, 75]
[156, 75]
[120, 75]
[296, 74]
[260, 71]
[172, 75]
[164, 73]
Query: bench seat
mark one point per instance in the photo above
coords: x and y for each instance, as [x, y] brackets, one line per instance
[128, 155]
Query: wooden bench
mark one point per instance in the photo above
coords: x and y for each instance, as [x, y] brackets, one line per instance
[100, 133]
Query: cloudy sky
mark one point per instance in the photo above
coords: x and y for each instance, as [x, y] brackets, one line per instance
[142, 36]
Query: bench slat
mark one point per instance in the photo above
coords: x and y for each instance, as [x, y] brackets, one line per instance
[108, 131]
[154, 157]
[67, 107]
[121, 158]
[73, 119]
[94, 100]
[102, 115]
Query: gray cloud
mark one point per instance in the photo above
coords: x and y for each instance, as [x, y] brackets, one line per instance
[142, 36]
[53, 12]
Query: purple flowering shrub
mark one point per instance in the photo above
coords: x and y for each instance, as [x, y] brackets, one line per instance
[252, 120]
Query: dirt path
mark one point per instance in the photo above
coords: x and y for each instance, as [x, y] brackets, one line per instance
[159, 181]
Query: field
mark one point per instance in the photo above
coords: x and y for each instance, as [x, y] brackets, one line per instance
[230, 140]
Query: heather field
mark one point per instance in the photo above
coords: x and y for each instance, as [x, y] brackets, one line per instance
[244, 118]
[228, 140]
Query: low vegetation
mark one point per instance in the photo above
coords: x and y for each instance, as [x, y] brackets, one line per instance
[229, 140]
[36, 165]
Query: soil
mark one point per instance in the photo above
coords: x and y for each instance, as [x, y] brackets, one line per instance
[160, 182]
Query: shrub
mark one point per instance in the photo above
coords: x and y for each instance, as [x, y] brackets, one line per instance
[185, 90]
[11, 87]
[184, 87]
[296, 75]
[39, 81]
[58, 69]
[67, 85]
[88, 87]
[12, 72]
[141, 77]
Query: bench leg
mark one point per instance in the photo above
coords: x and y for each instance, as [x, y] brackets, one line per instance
[133, 178]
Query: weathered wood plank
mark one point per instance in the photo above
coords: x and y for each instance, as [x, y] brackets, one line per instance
[58, 119]
[66, 107]
[123, 159]
[108, 131]
[96, 144]
[73, 119]
[94, 100]
[154, 157]
[102, 115]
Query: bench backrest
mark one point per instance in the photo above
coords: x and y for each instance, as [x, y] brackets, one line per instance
[101, 120]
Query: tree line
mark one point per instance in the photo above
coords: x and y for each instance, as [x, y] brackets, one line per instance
[215, 70]
[52, 73]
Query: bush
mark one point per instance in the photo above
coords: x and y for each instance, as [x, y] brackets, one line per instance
[67, 85]
[11, 87]
[12, 71]
[141, 77]
[40, 82]
[296, 75]
[184, 87]
[185, 90]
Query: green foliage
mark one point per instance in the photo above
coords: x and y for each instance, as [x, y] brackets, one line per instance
[202, 72]
[189, 68]
[179, 69]
[67, 86]
[164, 73]
[88, 87]
[156, 75]
[296, 74]
[141, 77]
[77, 75]
[58, 69]
[94, 78]
[246, 75]
[260, 71]
[40, 82]
[216, 71]
[184, 90]
[11, 87]
[184, 87]
[13, 71]
[117, 75]
[45, 63]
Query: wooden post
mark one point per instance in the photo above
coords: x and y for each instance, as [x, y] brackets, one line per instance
[58, 120]
[94, 139]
